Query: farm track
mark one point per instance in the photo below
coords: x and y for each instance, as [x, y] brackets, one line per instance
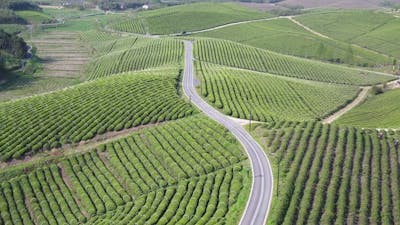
[108, 29]
[259, 202]
[361, 96]
[291, 18]
[395, 84]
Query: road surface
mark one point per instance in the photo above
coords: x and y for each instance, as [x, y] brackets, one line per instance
[259, 203]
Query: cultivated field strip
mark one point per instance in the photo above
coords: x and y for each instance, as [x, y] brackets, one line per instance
[334, 175]
[97, 36]
[94, 187]
[122, 44]
[126, 56]
[90, 109]
[286, 37]
[58, 50]
[239, 93]
[379, 111]
[242, 56]
[135, 26]
[186, 18]
[201, 200]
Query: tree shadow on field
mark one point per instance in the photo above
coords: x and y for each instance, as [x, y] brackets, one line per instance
[15, 80]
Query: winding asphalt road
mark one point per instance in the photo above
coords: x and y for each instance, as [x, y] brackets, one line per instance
[259, 203]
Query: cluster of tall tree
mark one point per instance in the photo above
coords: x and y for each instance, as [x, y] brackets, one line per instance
[11, 46]
[7, 8]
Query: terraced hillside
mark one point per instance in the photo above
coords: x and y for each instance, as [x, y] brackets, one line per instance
[90, 109]
[188, 17]
[62, 54]
[59, 62]
[379, 111]
[373, 30]
[332, 175]
[242, 56]
[264, 97]
[158, 175]
[284, 36]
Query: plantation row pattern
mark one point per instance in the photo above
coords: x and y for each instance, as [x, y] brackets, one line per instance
[155, 53]
[286, 37]
[135, 25]
[90, 109]
[239, 93]
[94, 187]
[334, 175]
[186, 18]
[242, 56]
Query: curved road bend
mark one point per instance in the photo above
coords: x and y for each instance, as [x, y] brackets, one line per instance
[258, 205]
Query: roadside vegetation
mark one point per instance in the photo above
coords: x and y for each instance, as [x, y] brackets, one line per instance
[95, 128]
[331, 174]
[136, 53]
[150, 176]
[246, 57]
[263, 97]
[90, 109]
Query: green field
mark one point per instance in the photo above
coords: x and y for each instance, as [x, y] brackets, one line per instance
[136, 53]
[26, 85]
[284, 36]
[90, 109]
[188, 17]
[331, 175]
[345, 25]
[154, 176]
[239, 93]
[373, 30]
[116, 141]
[379, 111]
[383, 39]
[68, 13]
[34, 17]
[242, 56]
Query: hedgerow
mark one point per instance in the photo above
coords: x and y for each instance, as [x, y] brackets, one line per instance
[240, 93]
[332, 174]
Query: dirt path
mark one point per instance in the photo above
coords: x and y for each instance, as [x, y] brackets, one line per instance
[291, 18]
[393, 84]
[361, 96]
[307, 28]
[242, 122]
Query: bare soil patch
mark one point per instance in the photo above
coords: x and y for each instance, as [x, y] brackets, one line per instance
[62, 54]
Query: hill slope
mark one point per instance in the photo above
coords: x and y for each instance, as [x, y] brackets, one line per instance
[188, 17]
[242, 56]
[380, 111]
